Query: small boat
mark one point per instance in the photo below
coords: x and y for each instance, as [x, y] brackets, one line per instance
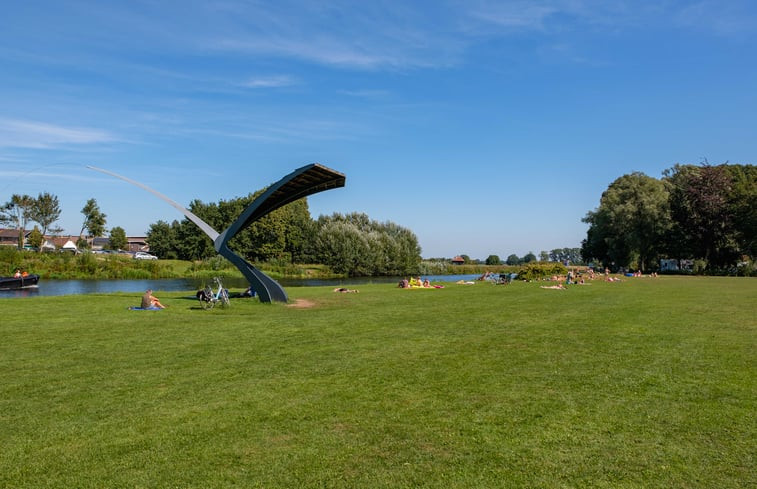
[9, 283]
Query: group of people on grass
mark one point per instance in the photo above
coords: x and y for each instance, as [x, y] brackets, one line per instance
[576, 277]
[414, 283]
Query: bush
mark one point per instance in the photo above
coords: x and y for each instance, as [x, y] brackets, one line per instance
[700, 266]
[541, 270]
[746, 269]
[434, 267]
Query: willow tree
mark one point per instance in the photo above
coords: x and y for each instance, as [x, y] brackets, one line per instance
[628, 227]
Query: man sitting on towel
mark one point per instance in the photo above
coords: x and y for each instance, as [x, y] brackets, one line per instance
[149, 301]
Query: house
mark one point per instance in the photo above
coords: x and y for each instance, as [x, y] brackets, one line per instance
[9, 237]
[134, 243]
[69, 245]
[47, 245]
[673, 265]
[137, 243]
[52, 243]
[458, 260]
[100, 243]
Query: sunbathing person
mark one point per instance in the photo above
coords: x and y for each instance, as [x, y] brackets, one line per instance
[346, 291]
[149, 301]
[558, 287]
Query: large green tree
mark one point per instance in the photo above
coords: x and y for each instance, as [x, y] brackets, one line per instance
[17, 212]
[628, 227]
[118, 239]
[569, 255]
[94, 219]
[46, 211]
[356, 245]
[743, 204]
[279, 235]
[704, 214]
[162, 239]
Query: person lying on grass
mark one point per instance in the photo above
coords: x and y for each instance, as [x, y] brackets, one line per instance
[345, 291]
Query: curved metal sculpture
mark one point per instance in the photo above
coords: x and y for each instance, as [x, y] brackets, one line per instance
[308, 180]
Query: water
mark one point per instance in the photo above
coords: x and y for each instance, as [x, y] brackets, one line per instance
[78, 287]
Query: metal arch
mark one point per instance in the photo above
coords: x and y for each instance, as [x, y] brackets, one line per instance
[304, 181]
[207, 229]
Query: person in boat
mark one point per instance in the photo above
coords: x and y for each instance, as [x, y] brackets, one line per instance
[17, 274]
[149, 301]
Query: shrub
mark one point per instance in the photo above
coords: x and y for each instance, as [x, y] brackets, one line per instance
[541, 270]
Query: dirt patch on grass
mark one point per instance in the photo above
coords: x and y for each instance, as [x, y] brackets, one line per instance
[302, 304]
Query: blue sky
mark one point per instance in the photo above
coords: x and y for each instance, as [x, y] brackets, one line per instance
[486, 127]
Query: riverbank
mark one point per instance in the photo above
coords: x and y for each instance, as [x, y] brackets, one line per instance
[59, 266]
[52, 287]
[86, 266]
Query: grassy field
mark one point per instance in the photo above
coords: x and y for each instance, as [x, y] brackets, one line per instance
[643, 383]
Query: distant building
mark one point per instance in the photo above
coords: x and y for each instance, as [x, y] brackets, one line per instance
[9, 237]
[458, 260]
[100, 243]
[673, 265]
[138, 243]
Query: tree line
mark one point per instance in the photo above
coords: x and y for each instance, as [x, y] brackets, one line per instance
[704, 213]
[351, 244]
[45, 210]
[22, 209]
[570, 256]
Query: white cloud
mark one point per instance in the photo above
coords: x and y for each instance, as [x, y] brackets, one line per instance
[722, 18]
[535, 15]
[273, 81]
[354, 35]
[366, 93]
[327, 51]
[15, 133]
[513, 15]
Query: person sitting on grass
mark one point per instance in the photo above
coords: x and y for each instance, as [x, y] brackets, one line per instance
[149, 301]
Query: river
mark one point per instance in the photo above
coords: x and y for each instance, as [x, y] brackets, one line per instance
[78, 287]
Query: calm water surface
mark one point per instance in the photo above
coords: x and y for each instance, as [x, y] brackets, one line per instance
[77, 287]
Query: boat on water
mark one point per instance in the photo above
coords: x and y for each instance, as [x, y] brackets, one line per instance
[11, 283]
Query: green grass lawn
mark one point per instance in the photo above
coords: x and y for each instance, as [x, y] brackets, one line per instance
[644, 383]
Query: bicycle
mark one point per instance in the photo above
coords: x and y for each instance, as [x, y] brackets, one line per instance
[208, 299]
